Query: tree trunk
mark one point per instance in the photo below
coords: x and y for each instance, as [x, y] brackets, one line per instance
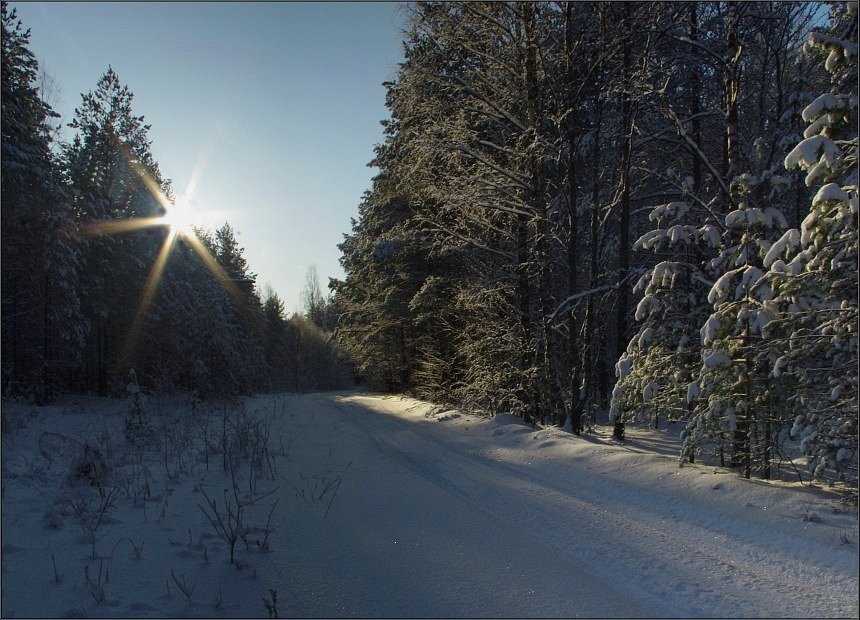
[624, 225]
[526, 357]
[695, 102]
[731, 79]
[101, 336]
[576, 401]
[589, 348]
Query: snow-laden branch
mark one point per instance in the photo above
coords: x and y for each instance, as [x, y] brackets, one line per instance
[468, 89]
[472, 7]
[563, 305]
[684, 39]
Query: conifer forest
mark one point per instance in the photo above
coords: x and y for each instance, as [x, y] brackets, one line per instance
[636, 212]
[591, 223]
[82, 304]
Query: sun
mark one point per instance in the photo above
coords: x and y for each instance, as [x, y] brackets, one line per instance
[180, 217]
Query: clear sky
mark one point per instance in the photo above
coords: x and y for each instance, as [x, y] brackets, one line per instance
[279, 104]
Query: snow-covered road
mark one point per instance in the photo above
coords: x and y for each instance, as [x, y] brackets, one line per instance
[423, 527]
[475, 517]
[389, 507]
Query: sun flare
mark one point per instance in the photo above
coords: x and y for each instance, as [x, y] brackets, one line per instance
[181, 222]
[180, 218]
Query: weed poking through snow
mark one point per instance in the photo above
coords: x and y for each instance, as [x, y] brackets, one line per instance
[228, 519]
[320, 488]
[183, 585]
[96, 586]
[91, 516]
[271, 604]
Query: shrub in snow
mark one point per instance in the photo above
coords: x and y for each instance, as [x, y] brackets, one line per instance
[228, 517]
[271, 604]
[90, 466]
[137, 428]
[95, 584]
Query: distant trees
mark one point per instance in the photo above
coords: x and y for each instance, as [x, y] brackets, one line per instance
[313, 303]
[94, 284]
[554, 173]
[310, 357]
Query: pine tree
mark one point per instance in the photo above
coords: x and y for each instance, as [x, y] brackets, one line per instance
[42, 325]
[240, 325]
[815, 269]
[733, 382]
[745, 44]
[112, 175]
[230, 255]
[656, 371]
[374, 323]
[275, 340]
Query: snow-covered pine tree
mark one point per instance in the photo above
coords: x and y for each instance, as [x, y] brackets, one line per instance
[732, 393]
[752, 45]
[815, 269]
[656, 371]
[275, 340]
[231, 256]
[183, 347]
[375, 323]
[791, 119]
[240, 324]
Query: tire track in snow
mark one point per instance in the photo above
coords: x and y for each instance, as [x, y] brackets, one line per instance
[483, 568]
[392, 443]
[608, 532]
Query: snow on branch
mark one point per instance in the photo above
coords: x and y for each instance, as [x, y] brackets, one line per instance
[564, 304]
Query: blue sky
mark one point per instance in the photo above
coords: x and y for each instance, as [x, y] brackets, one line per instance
[278, 104]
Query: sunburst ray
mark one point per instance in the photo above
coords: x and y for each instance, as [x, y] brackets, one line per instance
[149, 289]
[179, 226]
[115, 227]
[217, 270]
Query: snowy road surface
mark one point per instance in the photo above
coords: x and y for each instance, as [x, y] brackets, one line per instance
[391, 508]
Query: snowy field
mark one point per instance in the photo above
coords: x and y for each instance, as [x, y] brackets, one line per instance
[360, 505]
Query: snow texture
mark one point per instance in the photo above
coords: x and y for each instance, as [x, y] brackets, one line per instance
[714, 359]
[829, 192]
[789, 241]
[710, 328]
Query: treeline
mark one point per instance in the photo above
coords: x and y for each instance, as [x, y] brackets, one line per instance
[82, 300]
[667, 190]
